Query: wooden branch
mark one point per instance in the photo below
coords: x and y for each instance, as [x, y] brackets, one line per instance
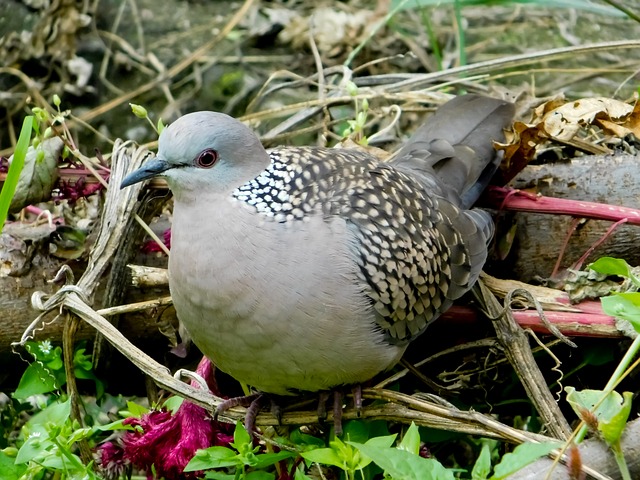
[516, 348]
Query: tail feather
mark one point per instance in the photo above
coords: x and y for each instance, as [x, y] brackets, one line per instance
[456, 145]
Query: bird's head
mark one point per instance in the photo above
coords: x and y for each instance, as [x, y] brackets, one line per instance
[204, 151]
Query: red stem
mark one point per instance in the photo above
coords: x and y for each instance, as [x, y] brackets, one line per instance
[589, 322]
[501, 198]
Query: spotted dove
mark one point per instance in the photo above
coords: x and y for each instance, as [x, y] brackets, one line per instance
[308, 268]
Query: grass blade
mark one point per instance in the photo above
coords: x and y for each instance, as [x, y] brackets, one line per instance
[11, 182]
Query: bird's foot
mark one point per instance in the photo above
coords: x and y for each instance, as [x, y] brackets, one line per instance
[256, 401]
[252, 402]
[338, 397]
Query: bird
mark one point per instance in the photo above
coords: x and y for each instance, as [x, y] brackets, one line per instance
[310, 269]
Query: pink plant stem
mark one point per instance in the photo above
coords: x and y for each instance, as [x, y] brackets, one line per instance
[578, 264]
[502, 198]
[590, 321]
[33, 209]
[572, 228]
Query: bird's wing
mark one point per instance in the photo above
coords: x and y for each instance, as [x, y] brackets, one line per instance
[415, 250]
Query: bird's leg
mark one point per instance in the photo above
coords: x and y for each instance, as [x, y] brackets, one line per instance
[252, 413]
[356, 391]
[276, 410]
[252, 402]
[337, 412]
[322, 406]
[338, 396]
[244, 401]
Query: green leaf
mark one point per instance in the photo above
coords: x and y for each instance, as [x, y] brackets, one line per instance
[300, 475]
[173, 403]
[260, 475]
[403, 465]
[134, 410]
[482, 467]
[615, 266]
[56, 413]
[598, 355]
[625, 306]
[89, 375]
[55, 364]
[79, 434]
[219, 476]
[356, 431]
[213, 457]
[611, 266]
[411, 440]
[362, 460]
[160, 126]
[268, 459]
[612, 412]
[522, 456]
[81, 360]
[11, 180]
[305, 440]
[9, 468]
[114, 426]
[612, 428]
[241, 439]
[381, 442]
[35, 447]
[325, 456]
[35, 380]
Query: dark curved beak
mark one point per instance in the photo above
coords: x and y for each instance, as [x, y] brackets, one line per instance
[150, 169]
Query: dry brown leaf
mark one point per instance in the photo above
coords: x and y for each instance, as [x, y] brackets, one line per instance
[565, 121]
[519, 149]
[631, 124]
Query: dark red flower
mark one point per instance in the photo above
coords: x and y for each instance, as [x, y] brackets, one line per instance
[111, 459]
[168, 442]
[151, 246]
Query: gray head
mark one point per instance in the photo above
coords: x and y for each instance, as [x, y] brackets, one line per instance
[204, 151]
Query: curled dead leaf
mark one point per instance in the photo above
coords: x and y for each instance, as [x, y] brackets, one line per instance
[565, 121]
[38, 175]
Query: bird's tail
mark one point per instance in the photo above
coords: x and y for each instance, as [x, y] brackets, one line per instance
[456, 145]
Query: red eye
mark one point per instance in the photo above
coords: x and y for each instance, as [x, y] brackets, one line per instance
[207, 158]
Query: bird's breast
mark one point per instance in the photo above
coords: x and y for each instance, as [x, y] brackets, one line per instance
[279, 306]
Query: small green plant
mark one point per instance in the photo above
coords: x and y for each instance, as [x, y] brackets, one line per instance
[625, 306]
[347, 456]
[605, 411]
[606, 414]
[510, 463]
[47, 372]
[48, 444]
[402, 462]
[243, 459]
[355, 128]
[141, 112]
